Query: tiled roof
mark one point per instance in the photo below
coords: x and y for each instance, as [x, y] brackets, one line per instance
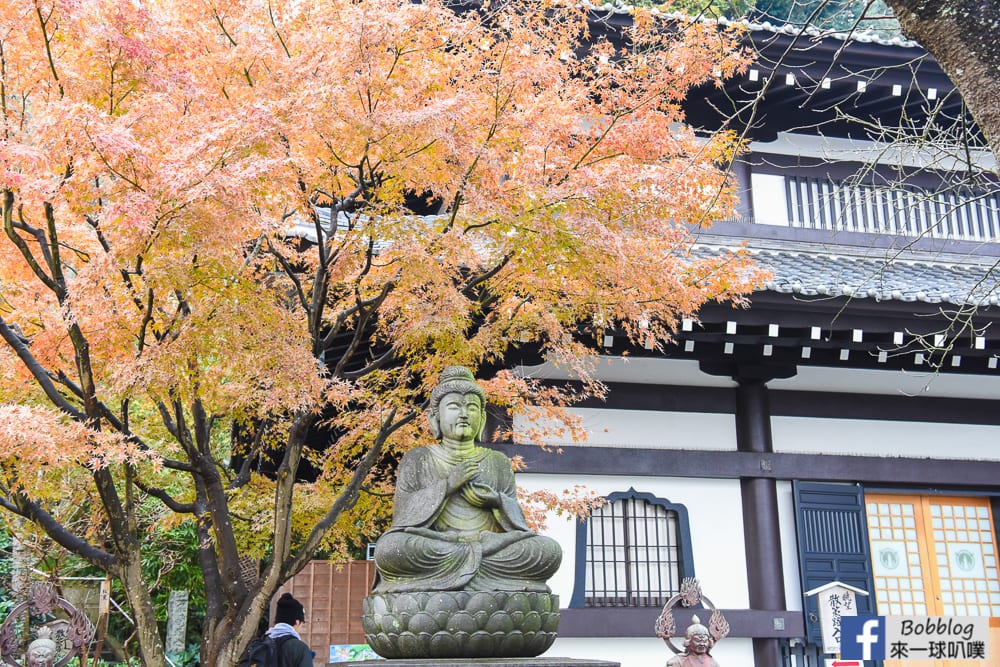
[883, 276]
[826, 270]
[863, 36]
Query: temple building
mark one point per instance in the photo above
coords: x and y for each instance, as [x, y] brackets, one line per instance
[843, 427]
[839, 429]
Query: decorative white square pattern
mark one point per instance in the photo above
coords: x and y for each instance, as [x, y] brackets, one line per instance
[966, 561]
[889, 558]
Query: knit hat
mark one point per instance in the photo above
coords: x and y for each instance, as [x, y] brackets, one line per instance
[289, 610]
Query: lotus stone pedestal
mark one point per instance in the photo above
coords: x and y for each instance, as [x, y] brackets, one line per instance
[460, 624]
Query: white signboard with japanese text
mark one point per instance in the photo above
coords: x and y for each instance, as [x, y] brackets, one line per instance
[834, 601]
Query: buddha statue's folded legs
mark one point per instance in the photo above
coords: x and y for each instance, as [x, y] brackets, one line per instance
[417, 559]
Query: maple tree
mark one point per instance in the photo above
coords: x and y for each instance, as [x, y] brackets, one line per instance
[210, 252]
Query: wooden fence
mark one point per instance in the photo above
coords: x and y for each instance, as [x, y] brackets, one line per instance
[332, 594]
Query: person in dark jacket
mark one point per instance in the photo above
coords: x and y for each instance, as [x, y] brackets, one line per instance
[288, 619]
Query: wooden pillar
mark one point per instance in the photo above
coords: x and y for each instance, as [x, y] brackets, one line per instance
[760, 513]
[744, 208]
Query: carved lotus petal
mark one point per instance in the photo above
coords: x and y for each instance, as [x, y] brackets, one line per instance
[463, 621]
[406, 604]
[382, 643]
[481, 643]
[538, 643]
[513, 643]
[532, 622]
[442, 603]
[518, 602]
[499, 622]
[443, 645]
[482, 602]
[550, 622]
[375, 605]
[409, 645]
[422, 622]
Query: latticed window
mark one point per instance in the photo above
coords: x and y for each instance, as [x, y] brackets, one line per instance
[637, 551]
[960, 213]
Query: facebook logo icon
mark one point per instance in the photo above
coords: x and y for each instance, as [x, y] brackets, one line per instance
[862, 637]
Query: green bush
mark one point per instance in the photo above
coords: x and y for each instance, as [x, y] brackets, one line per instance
[6, 565]
[188, 658]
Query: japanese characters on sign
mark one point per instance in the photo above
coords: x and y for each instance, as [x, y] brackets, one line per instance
[834, 601]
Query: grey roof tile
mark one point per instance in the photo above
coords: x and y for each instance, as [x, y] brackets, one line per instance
[864, 36]
[883, 278]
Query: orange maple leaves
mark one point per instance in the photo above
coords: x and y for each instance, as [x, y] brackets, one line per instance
[209, 245]
[155, 158]
[164, 150]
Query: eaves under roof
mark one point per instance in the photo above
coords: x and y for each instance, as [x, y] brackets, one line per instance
[836, 82]
[826, 304]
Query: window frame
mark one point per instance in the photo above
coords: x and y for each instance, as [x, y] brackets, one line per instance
[685, 555]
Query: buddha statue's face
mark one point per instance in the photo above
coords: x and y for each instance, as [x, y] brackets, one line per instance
[460, 417]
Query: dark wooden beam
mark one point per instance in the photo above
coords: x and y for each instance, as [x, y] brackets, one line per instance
[832, 405]
[638, 622]
[877, 470]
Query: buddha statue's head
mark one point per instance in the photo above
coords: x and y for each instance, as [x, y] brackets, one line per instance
[457, 406]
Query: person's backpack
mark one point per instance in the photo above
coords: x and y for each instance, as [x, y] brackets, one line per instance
[263, 652]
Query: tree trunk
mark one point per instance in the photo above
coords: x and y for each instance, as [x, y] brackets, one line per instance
[964, 37]
[20, 574]
[224, 641]
[137, 590]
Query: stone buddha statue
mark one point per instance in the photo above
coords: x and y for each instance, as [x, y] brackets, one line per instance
[459, 574]
[456, 521]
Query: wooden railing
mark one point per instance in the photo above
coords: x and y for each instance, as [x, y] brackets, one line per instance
[955, 213]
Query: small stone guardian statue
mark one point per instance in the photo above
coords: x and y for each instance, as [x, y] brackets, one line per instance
[459, 573]
[55, 643]
[698, 639]
[42, 651]
[697, 644]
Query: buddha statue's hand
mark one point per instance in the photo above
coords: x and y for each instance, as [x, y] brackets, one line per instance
[480, 495]
[461, 474]
[469, 536]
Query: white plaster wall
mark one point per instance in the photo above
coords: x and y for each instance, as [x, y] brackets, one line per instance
[640, 370]
[686, 373]
[885, 438]
[789, 546]
[646, 428]
[769, 204]
[855, 380]
[714, 515]
[645, 651]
